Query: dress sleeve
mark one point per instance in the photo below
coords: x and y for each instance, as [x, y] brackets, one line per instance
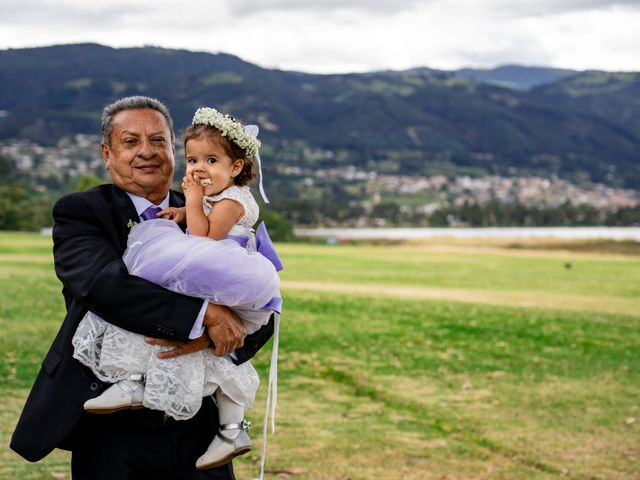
[243, 196]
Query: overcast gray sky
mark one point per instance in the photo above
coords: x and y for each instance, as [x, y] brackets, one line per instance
[347, 35]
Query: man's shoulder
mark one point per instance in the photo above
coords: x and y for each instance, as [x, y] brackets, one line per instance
[176, 199]
[96, 197]
[98, 194]
[177, 193]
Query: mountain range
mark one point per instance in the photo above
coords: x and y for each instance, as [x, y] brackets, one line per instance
[529, 120]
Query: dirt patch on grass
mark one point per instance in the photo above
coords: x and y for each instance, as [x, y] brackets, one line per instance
[583, 246]
[513, 298]
[623, 251]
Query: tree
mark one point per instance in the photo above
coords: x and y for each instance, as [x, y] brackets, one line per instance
[23, 209]
[280, 229]
[86, 182]
[390, 211]
[7, 170]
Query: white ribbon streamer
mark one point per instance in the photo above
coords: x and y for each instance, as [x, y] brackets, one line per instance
[253, 130]
[272, 393]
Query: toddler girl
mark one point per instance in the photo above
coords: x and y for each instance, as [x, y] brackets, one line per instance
[236, 270]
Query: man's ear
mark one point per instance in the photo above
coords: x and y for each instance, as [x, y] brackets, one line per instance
[106, 155]
[238, 165]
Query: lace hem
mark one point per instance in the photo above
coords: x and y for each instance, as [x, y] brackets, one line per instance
[175, 386]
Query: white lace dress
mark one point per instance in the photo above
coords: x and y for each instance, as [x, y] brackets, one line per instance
[223, 272]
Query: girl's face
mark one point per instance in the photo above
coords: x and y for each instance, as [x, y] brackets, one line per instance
[208, 161]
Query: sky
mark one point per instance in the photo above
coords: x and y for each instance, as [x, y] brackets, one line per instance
[340, 36]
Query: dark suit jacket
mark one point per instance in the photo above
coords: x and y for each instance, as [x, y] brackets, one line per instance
[90, 235]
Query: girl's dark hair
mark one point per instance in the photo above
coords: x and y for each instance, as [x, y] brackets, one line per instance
[247, 174]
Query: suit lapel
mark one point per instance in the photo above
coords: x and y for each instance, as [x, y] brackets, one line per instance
[175, 199]
[125, 214]
[123, 206]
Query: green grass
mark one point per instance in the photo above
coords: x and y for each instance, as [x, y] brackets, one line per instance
[374, 386]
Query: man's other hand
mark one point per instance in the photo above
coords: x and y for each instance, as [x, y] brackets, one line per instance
[224, 328]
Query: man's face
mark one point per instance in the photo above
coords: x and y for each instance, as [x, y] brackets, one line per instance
[140, 158]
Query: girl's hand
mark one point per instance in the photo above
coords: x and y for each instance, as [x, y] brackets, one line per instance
[179, 348]
[178, 215]
[191, 187]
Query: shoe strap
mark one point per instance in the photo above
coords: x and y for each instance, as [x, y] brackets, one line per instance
[244, 425]
[136, 378]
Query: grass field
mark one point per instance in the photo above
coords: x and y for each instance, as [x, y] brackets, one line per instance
[421, 362]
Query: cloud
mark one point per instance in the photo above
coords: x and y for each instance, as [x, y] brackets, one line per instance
[512, 8]
[371, 7]
[44, 12]
[115, 23]
[347, 35]
[555, 7]
[605, 40]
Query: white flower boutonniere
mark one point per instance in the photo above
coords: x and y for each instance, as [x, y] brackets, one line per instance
[131, 224]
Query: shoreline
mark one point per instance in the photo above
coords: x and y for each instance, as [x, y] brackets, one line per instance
[504, 233]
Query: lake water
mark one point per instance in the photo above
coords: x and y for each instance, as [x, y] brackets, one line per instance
[569, 233]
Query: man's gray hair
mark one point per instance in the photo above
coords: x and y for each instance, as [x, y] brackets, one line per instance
[132, 103]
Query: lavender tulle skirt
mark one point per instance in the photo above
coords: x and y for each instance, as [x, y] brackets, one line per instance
[220, 271]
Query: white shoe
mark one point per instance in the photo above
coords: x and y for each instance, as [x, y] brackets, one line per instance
[124, 395]
[224, 449]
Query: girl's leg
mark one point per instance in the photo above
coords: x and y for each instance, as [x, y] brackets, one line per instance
[232, 439]
[230, 412]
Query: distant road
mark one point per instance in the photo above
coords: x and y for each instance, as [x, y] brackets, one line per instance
[569, 233]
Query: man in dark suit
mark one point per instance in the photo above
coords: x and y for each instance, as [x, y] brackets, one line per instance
[90, 236]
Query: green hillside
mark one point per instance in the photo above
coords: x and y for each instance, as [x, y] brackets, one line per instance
[419, 120]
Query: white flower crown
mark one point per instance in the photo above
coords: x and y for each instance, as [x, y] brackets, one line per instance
[229, 128]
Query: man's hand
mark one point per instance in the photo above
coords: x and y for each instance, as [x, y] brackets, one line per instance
[180, 348]
[224, 328]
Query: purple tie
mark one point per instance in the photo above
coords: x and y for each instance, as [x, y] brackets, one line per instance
[150, 213]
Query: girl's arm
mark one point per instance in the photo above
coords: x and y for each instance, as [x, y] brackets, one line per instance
[224, 215]
[177, 214]
[197, 221]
